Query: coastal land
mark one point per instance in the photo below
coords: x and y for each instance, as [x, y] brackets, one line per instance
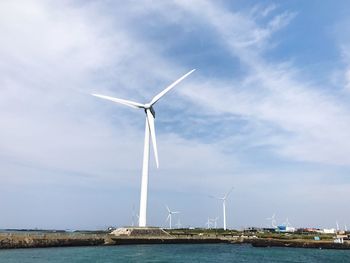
[12, 239]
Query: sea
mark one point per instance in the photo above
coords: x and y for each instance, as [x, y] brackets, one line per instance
[173, 253]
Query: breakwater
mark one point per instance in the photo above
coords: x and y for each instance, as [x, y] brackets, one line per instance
[67, 239]
[41, 240]
[170, 240]
[38, 240]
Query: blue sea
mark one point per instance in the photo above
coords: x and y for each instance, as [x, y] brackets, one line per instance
[173, 253]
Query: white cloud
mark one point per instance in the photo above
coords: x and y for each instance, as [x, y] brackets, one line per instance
[55, 135]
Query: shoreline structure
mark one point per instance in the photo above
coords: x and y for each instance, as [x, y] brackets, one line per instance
[135, 236]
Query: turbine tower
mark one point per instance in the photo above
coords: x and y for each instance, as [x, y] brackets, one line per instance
[149, 132]
[170, 213]
[224, 198]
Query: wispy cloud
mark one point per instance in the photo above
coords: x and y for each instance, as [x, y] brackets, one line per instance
[312, 123]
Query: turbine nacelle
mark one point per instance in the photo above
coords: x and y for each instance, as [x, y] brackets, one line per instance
[151, 109]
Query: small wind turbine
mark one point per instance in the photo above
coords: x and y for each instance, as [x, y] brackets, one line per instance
[178, 224]
[208, 223]
[224, 198]
[287, 223]
[149, 132]
[288, 226]
[273, 220]
[336, 222]
[214, 220]
[170, 213]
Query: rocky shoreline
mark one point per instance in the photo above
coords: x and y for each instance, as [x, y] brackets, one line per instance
[260, 242]
[65, 239]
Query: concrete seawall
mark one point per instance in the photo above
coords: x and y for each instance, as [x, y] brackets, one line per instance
[36, 240]
[41, 240]
[64, 239]
[169, 240]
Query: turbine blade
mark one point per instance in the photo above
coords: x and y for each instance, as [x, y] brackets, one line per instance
[227, 194]
[167, 218]
[150, 120]
[172, 85]
[167, 208]
[215, 197]
[121, 101]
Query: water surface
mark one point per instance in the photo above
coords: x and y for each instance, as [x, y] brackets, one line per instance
[173, 253]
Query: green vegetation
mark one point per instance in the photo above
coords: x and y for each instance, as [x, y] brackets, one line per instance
[273, 235]
[289, 236]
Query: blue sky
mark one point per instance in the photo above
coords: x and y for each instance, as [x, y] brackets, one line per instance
[267, 111]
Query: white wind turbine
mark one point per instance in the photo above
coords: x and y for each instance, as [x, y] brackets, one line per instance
[149, 131]
[214, 220]
[224, 198]
[287, 223]
[208, 223]
[178, 224]
[170, 213]
[273, 220]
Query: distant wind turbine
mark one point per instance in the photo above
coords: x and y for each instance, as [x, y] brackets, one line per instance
[287, 223]
[170, 213]
[214, 220]
[149, 131]
[273, 220]
[208, 223]
[224, 198]
[178, 224]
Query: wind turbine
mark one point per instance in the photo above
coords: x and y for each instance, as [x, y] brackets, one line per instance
[287, 223]
[178, 224]
[170, 213]
[214, 220]
[149, 132]
[208, 223]
[224, 198]
[273, 220]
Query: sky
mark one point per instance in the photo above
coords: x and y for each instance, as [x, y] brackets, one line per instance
[266, 112]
